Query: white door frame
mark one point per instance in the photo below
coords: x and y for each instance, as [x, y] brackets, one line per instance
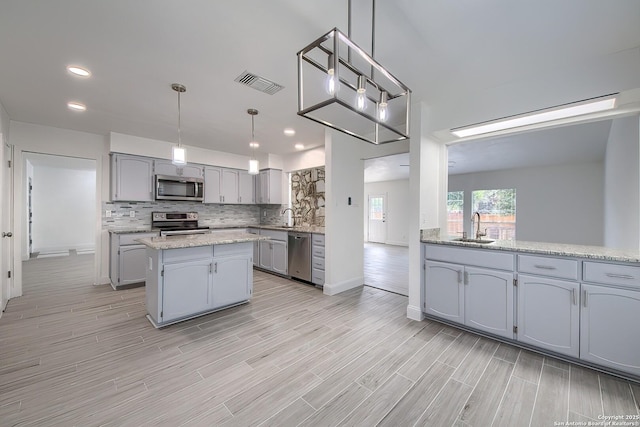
[7, 258]
[377, 226]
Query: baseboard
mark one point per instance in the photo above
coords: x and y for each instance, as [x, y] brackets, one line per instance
[414, 313]
[104, 281]
[397, 243]
[336, 288]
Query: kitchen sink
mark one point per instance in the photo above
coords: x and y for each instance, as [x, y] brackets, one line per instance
[478, 241]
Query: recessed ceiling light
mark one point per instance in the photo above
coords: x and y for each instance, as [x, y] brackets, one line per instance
[299, 146]
[76, 106]
[254, 145]
[78, 71]
[289, 132]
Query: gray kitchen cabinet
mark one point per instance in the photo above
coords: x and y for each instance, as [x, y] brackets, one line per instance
[131, 178]
[488, 300]
[186, 289]
[609, 320]
[256, 247]
[232, 279]
[245, 188]
[165, 167]
[220, 185]
[269, 187]
[317, 259]
[444, 291]
[274, 254]
[127, 262]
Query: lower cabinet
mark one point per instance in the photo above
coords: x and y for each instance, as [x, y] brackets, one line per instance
[186, 289]
[128, 259]
[609, 327]
[273, 253]
[549, 314]
[476, 297]
[191, 281]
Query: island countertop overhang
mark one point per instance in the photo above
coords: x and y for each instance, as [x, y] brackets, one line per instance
[195, 240]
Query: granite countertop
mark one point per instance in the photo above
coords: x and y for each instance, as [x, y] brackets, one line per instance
[193, 240]
[303, 229]
[541, 248]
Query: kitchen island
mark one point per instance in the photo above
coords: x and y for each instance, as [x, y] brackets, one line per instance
[579, 303]
[192, 275]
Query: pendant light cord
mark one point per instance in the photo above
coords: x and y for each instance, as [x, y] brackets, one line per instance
[179, 134]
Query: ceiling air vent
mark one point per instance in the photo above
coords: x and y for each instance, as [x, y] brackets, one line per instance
[258, 83]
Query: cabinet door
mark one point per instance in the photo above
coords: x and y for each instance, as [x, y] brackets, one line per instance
[245, 188]
[232, 277]
[549, 314]
[165, 167]
[444, 291]
[280, 256]
[266, 254]
[488, 301]
[229, 187]
[263, 185]
[212, 185]
[609, 333]
[133, 264]
[186, 289]
[132, 178]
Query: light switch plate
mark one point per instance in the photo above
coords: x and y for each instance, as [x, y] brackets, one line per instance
[108, 214]
[132, 214]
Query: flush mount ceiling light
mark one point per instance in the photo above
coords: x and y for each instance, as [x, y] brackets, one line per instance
[289, 132]
[78, 71]
[254, 166]
[76, 106]
[342, 87]
[299, 146]
[179, 153]
[587, 106]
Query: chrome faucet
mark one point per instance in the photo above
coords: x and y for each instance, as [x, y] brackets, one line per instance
[479, 233]
[292, 215]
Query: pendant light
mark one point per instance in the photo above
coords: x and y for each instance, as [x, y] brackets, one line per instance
[179, 153]
[254, 166]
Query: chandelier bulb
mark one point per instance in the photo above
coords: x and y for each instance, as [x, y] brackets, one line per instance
[383, 111]
[331, 83]
[361, 97]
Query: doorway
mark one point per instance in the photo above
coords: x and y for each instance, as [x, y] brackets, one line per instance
[6, 222]
[377, 218]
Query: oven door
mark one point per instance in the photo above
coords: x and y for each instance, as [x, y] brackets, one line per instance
[179, 188]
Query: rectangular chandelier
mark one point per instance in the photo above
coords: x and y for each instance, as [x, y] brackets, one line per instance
[342, 87]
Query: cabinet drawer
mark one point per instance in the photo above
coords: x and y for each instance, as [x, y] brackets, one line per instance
[478, 257]
[318, 251]
[188, 254]
[317, 263]
[241, 248]
[275, 235]
[612, 274]
[317, 276]
[130, 238]
[551, 267]
[317, 239]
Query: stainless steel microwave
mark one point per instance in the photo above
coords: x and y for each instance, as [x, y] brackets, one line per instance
[179, 188]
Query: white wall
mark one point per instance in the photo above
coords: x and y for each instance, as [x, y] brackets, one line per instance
[622, 185]
[31, 138]
[64, 207]
[397, 219]
[307, 159]
[559, 204]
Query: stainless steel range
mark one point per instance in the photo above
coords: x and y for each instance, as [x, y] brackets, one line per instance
[175, 223]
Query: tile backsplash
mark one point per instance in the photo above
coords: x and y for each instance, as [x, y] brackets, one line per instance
[209, 214]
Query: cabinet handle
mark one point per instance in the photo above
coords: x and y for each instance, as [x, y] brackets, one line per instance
[239, 199]
[215, 267]
[575, 296]
[584, 298]
[544, 267]
[459, 276]
[619, 276]
[466, 277]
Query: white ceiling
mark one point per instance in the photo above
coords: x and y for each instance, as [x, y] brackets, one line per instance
[388, 168]
[443, 50]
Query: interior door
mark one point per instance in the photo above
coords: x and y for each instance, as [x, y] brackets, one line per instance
[6, 223]
[377, 218]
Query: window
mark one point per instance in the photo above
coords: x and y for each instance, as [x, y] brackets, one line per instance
[455, 212]
[376, 208]
[498, 211]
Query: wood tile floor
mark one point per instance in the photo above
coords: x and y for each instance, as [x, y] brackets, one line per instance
[73, 354]
[387, 267]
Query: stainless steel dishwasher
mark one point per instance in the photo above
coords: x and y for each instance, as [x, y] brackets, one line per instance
[300, 255]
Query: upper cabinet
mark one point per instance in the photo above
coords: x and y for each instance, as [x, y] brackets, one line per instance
[131, 178]
[165, 167]
[269, 187]
[222, 185]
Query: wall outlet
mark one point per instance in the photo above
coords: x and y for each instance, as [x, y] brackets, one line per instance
[132, 214]
[107, 214]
